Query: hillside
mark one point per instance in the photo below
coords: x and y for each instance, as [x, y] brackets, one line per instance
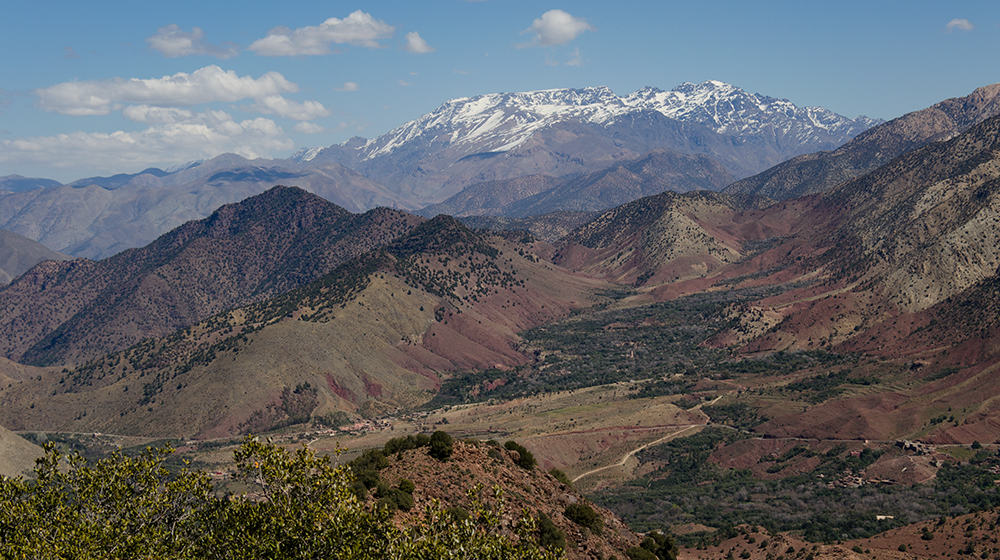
[18, 254]
[487, 465]
[549, 227]
[666, 238]
[822, 171]
[374, 335]
[244, 252]
[16, 454]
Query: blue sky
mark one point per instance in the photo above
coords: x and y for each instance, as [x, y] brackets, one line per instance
[266, 78]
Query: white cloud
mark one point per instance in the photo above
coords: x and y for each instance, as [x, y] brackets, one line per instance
[556, 27]
[404, 83]
[348, 86]
[359, 28]
[172, 41]
[309, 128]
[416, 44]
[961, 24]
[150, 114]
[278, 105]
[201, 136]
[205, 85]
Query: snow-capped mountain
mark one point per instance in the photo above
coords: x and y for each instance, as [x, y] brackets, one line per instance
[504, 121]
[561, 131]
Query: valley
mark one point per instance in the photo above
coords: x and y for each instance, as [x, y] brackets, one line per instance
[690, 332]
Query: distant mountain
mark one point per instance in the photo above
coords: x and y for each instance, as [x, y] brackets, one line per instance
[491, 198]
[373, 335]
[17, 183]
[18, 254]
[549, 227]
[118, 180]
[624, 182]
[620, 183]
[561, 131]
[95, 221]
[818, 172]
[67, 311]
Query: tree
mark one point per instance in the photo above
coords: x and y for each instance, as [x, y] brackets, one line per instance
[441, 446]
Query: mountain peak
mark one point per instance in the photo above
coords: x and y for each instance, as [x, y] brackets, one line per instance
[497, 122]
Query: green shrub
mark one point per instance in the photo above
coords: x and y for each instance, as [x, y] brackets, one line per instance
[660, 545]
[441, 446]
[584, 515]
[561, 477]
[549, 535]
[639, 553]
[525, 459]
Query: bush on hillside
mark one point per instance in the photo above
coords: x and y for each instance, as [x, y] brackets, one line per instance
[525, 459]
[441, 446]
[584, 515]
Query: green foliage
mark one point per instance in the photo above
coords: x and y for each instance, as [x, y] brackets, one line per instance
[738, 415]
[441, 446]
[561, 477]
[296, 505]
[660, 545]
[686, 487]
[639, 553]
[524, 459]
[549, 535]
[584, 515]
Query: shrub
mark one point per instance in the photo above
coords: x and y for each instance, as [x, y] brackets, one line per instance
[441, 446]
[639, 553]
[561, 477]
[525, 459]
[584, 515]
[549, 535]
[660, 545]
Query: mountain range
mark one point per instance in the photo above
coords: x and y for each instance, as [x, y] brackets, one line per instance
[705, 134]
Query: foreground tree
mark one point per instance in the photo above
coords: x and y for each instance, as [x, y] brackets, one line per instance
[296, 505]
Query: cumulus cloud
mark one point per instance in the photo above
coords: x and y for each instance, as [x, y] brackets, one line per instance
[278, 105]
[416, 44]
[556, 27]
[172, 41]
[205, 85]
[359, 29]
[308, 128]
[959, 24]
[201, 136]
[576, 59]
[348, 86]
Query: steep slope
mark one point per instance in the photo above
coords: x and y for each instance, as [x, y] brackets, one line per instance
[374, 335]
[267, 244]
[561, 131]
[487, 465]
[99, 220]
[818, 172]
[18, 254]
[625, 182]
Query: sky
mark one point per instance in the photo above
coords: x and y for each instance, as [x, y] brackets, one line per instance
[102, 87]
